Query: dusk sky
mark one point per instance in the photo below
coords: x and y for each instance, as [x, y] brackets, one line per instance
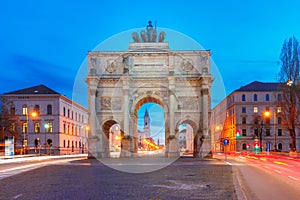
[45, 42]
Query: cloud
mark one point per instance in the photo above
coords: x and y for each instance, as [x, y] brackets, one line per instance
[27, 71]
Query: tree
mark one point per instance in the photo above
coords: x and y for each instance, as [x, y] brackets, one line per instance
[290, 82]
[9, 122]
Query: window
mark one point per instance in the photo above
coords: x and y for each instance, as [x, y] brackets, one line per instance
[72, 115]
[72, 130]
[244, 132]
[244, 146]
[279, 97]
[244, 120]
[64, 111]
[24, 110]
[268, 121]
[279, 120]
[68, 113]
[50, 127]
[267, 97]
[255, 109]
[279, 132]
[75, 116]
[12, 127]
[279, 147]
[37, 128]
[37, 109]
[268, 133]
[243, 109]
[25, 127]
[49, 110]
[12, 110]
[255, 97]
[68, 130]
[64, 143]
[243, 97]
[65, 128]
[255, 120]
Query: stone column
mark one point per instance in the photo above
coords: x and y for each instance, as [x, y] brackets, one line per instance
[205, 147]
[173, 150]
[127, 139]
[93, 137]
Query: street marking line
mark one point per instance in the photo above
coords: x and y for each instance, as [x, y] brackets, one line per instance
[228, 163]
[17, 196]
[278, 171]
[293, 178]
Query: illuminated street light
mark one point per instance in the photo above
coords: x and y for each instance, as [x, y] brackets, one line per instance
[289, 82]
[33, 114]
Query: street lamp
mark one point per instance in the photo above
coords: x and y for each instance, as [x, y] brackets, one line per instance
[33, 114]
[46, 126]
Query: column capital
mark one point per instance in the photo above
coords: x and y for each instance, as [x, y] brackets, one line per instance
[204, 91]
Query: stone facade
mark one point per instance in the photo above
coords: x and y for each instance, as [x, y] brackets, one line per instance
[120, 82]
[242, 112]
[67, 121]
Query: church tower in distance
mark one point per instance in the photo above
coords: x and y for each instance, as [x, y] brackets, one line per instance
[146, 124]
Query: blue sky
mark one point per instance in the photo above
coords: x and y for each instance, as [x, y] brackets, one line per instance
[45, 42]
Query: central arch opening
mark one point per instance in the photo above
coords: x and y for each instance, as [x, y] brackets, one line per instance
[150, 127]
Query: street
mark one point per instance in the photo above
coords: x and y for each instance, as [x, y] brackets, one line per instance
[187, 178]
[266, 177]
[237, 177]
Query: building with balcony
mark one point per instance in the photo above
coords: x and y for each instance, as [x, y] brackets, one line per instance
[48, 122]
[250, 118]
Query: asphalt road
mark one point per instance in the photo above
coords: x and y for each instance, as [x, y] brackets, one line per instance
[260, 180]
[90, 179]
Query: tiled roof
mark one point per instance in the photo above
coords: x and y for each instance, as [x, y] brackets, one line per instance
[39, 89]
[256, 86]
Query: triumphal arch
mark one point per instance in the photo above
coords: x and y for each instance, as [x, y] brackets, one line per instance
[120, 82]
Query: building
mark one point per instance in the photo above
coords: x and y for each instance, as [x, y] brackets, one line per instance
[145, 135]
[120, 82]
[250, 117]
[58, 126]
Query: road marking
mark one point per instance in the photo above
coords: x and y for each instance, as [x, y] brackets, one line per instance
[293, 178]
[17, 196]
[278, 171]
[228, 163]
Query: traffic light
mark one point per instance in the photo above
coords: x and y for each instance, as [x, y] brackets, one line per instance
[238, 134]
[256, 145]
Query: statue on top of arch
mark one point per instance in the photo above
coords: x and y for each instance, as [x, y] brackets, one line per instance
[149, 35]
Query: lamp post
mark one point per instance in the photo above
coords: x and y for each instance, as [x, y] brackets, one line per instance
[46, 126]
[33, 114]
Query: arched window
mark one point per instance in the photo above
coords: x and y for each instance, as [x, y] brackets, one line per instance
[64, 111]
[255, 97]
[24, 110]
[244, 146]
[279, 97]
[49, 110]
[267, 97]
[37, 109]
[243, 97]
[279, 147]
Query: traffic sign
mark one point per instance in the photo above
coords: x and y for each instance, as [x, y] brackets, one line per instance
[225, 142]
